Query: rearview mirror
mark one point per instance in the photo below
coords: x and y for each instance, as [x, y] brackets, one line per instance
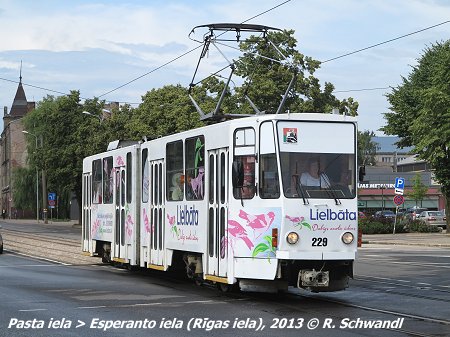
[361, 173]
[237, 176]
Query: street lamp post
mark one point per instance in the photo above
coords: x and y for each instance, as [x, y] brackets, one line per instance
[100, 117]
[37, 177]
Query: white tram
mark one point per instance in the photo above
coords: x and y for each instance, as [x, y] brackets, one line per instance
[264, 202]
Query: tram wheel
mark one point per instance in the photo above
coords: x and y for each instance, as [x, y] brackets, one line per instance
[225, 288]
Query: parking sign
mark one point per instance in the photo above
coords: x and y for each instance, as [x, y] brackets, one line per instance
[51, 200]
[399, 185]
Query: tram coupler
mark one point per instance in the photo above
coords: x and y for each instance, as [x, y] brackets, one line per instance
[313, 278]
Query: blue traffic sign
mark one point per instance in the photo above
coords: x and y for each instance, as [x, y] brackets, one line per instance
[400, 183]
[51, 200]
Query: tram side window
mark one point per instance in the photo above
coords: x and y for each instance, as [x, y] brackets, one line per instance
[108, 180]
[145, 176]
[269, 181]
[129, 178]
[97, 181]
[269, 186]
[248, 189]
[195, 168]
[174, 173]
[244, 153]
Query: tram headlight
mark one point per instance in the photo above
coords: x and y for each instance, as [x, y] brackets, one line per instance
[347, 238]
[292, 238]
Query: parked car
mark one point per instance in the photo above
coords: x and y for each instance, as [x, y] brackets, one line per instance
[433, 218]
[1, 242]
[412, 213]
[386, 214]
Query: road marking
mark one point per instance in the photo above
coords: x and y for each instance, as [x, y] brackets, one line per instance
[40, 258]
[153, 304]
[30, 310]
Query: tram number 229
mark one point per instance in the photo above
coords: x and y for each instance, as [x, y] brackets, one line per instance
[319, 242]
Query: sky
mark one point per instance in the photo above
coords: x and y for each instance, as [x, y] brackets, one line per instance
[97, 46]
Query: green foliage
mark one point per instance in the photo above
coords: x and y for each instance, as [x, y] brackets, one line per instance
[381, 226]
[421, 112]
[385, 226]
[419, 190]
[24, 194]
[163, 112]
[421, 227]
[367, 149]
[266, 81]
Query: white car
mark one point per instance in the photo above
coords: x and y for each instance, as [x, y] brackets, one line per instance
[433, 218]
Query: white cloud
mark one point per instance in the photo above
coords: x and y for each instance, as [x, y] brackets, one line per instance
[96, 47]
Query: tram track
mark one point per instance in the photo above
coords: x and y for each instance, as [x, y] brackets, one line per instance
[43, 246]
[68, 251]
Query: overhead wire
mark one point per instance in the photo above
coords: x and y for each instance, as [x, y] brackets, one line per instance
[188, 52]
[384, 42]
[249, 19]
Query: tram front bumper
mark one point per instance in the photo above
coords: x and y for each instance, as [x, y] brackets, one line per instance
[299, 255]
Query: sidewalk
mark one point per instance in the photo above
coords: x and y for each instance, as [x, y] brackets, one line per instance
[409, 239]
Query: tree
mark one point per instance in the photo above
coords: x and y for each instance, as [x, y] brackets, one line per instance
[367, 149]
[419, 190]
[266, 81]
[24, 196]
[163, 112]
[421, 112]
[66, 136]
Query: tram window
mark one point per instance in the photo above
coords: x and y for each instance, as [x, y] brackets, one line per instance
[248, 189]
[222, 177]
[211, 225]
[122, 188]
[160, 185]
[122, 227]
[145, 176]
[97, 181]
[129, 178]
[174, 174]
[211, 179]
[195, 168]
[269, 181]
[108, 180]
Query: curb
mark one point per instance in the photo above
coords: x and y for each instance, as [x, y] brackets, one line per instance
[396, 243]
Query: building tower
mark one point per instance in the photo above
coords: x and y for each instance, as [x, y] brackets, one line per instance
[13, 146]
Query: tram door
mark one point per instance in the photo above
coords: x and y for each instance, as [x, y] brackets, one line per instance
[217, 212]
[119, 229]
[157, 213]
[87, 203]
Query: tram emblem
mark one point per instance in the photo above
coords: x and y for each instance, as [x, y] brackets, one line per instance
[290, 135]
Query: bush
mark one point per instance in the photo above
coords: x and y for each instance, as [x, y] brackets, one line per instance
[421, 227]
[379, 226]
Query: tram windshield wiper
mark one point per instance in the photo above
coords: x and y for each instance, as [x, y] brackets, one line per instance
[299, 189]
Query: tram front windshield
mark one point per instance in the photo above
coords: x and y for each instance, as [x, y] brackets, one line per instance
[318, 175]
[317, 159]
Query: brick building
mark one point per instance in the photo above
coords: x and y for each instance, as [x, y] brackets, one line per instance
[13, 148]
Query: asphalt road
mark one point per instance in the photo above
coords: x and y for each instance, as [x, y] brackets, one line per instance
[391, 283]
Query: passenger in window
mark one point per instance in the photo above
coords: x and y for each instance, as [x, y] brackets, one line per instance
[197, 184]
[313, 177]
[177, 186]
